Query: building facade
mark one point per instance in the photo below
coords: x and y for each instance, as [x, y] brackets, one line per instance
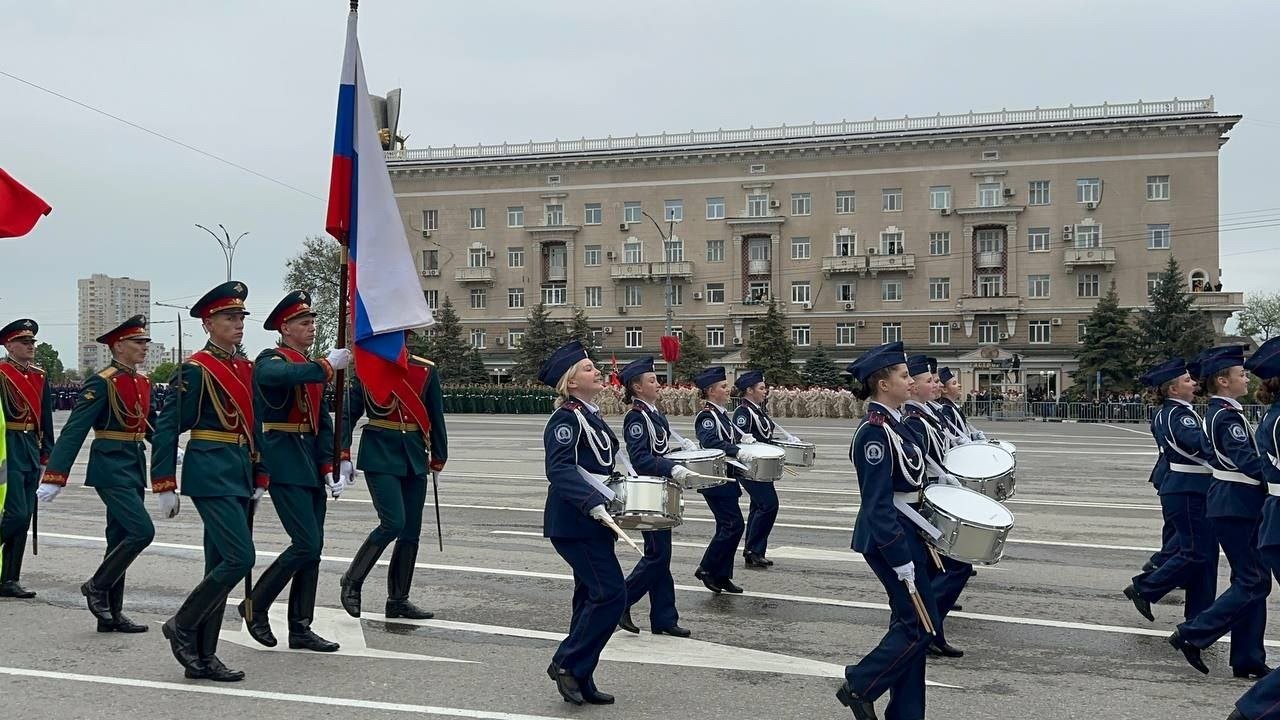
[978, 238]
[105, 302]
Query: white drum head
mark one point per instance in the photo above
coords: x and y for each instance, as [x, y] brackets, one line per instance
[760, 450]
[1007, 447]
[978, 460]
[970, 506]
[689, 455]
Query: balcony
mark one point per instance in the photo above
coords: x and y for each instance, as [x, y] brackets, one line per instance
[677, 269]
[749, 308]
[629, 271]
[758, 267]
[835, 264]
[557, 273]
[976, 305]
[989, 259]
[474, 275]
[545, 233]
[892, 263]
[1084, 257]
[1225, 301]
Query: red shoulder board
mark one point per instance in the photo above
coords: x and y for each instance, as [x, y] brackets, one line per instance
[637, 405]
[572, 404]
[915, 412]
[876, 418]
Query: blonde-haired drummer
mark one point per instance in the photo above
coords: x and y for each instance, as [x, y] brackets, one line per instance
[580, 450]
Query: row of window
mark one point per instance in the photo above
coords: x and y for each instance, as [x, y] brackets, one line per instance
[988, 194]
[1039, 332]
[1159, 236]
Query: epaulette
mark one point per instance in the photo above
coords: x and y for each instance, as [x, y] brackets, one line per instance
[637, 405]
[37, 368]
[876, 418]
[915, 412]
[572, 404]
[421, 361]
[108, 372]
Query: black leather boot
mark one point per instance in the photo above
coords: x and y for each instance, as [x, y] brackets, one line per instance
[182, 630]
[862, 709]
[399, 580]
[119, 621]
[352, 580]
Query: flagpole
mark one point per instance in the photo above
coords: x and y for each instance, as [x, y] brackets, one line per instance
[340, 377]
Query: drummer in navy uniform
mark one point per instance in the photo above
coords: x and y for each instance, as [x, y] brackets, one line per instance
[116, 405]
[948, 576]
[890, 471]
[1184, 471]
[952, 397]
[1234, 508]
[580, 449]
[649, 437]
[753, 419]
[28, 412]
[715, 430]
[297, 447]
[1262, 702]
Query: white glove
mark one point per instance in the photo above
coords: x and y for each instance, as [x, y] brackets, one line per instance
[258, 492]
[679, 473]
[181, 454]
[792, 438]
[347, 472]
[747, 439]
[169, 504]
[338, 358]
[335, 487]
[599, 514]
[47, 492]
[907, 574]
[688, 444]
[746, 454]
[949, 479]
[979, 435]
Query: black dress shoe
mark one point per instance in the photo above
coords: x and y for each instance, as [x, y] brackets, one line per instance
[97, 600]
[406, 609]
[727, 585]
[122, 624]
[11, 589]
[674, 631]
[259, 627]
[1139, 602]
[707, 580]
[311, 641]
[182, 643]
[755, 561]
[349, 596]
[625, 622]
[566, 684]
[946, 650]
[218, 672]
[862, 709]
[1148, 567]
[767, 561]
[957, 607]
[593, 696]
[1251, 673]
[1189, 651]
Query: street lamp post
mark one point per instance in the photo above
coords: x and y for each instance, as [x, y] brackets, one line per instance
[226, 243]
[666, 261]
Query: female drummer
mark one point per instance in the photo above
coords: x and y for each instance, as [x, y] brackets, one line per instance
[649, 437]
[716, 430]
[952, 396]
[1262, 702]
[580, 450]
[949, 579]
[1184, 473]
[890, 471]
[1234, 507]
[752, 418]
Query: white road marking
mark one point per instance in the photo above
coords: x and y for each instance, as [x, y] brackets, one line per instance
[1145, 433]
[650, 649]
[803, 599]
[224, 691]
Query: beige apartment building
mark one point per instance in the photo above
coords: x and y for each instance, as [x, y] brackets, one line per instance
[104, 303]
[975, 237]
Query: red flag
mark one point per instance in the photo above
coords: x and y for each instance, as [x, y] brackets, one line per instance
[670, 348]
[19, 207]
[614, 379]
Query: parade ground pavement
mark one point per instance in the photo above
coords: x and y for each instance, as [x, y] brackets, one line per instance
[1046, 632]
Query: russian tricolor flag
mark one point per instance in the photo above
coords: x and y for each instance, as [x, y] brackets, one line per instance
[385, 297]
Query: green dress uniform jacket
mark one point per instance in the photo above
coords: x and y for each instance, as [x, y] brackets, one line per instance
[296, 440]
[28, 433]
[393, 443]
[116, 405]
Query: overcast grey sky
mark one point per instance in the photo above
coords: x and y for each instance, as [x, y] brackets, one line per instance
[256, 83]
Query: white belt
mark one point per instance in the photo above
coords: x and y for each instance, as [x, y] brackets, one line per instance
[907, 497]
[1273, 489]
[1185, 468]
[597, 483]
[1235, 477]
[902, 501]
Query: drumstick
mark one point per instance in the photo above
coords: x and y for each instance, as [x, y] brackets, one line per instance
[705, 477]
[921, 611]
[791, 470]
[937, 559]
[621, 535]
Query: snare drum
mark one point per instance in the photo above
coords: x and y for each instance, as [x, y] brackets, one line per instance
[646, 503]
[984, 467]
[764, 462]
[799, 453]
[974, 527]
[1007, 447]
[704, 462]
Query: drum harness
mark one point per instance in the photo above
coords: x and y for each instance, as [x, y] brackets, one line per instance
[933, 435]
[602, 448]
[725, 434]
[1229, 471]
[914, 474]
[1198, 465]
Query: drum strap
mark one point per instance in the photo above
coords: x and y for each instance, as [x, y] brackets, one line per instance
[916, 518]
[597, 483]
[1167, 422]
[729, 434]
[1223, 459]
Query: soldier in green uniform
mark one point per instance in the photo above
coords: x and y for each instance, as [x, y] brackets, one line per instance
[116, 405]
[216, 405]
[394, 457]
[28, 406]
[296, 443]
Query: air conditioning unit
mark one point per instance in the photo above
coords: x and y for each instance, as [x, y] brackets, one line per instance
[862, 323]
[1004, 336]
[872, 251]
[430, 273]
[848, 306]
[775, 204]
[1091, 206]
[608, 329]
[622, 309]
[808, 306]
[1008, 192]
[426, 233]
[624, 226]
[697, 296]
[955, 325]
[737, 341]
[501, 340]
[611, 255]
[944, 212]
[1067, 230]
[490, 253]
[1056, 321]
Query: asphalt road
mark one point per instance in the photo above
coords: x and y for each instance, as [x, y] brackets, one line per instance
[1047, 633]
